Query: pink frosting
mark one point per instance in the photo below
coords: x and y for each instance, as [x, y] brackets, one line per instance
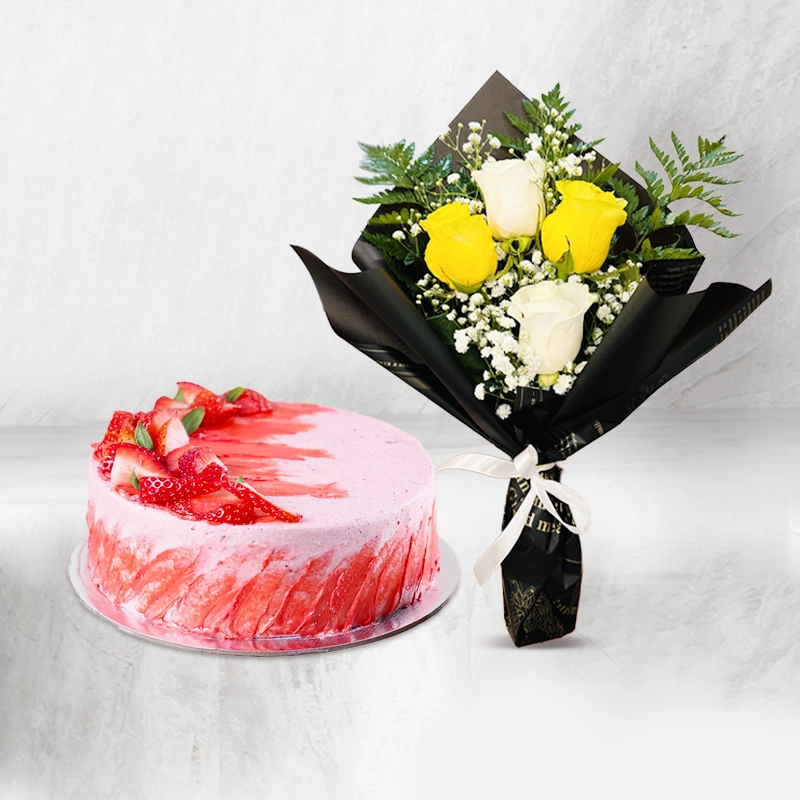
[365, 490]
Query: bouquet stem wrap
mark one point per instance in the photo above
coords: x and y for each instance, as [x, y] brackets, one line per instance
[542, 574]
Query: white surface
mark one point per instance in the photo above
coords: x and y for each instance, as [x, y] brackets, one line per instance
[683, 679]
[158, 159]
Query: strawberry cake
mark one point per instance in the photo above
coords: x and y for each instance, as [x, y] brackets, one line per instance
[227, 516]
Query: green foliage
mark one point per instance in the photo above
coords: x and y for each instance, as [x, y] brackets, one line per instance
[601, 176]
[389, 246]
[191, 421]
[142, 437]
[650, 253]
[394, 165]
[688, 180]
[390, 197]
[390, 164]
[403, 216]
[396, 254]
[638, 216]
[134, 480]
[510, 143]
[540, 113]
[521, 124]
[234, 394]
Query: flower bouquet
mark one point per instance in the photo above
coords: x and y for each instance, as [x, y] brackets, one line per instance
[533, 290]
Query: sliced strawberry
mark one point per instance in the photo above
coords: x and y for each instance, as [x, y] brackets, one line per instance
[157, 489]
[191, 391]
[129, 457]
[170, 436]
[154, 421]
[119, 420]
[251, 402]
[175, 407]
[194, 462]
[246, 492]
[216, 508]
[105, 455]
[174, 456]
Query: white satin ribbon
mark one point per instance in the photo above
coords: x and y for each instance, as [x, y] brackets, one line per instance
[525, 465]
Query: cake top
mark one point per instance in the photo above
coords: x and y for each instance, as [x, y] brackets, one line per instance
[239, 459]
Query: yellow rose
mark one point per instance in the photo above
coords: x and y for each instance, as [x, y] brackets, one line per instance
[583, 223]
[461, 250]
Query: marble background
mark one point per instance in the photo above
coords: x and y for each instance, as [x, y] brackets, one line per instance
[158, 159]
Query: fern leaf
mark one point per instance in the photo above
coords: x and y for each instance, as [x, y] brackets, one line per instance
[388, 163]
[511, 144]
[601, 176]
[400, 217]
[680, 150]
[390, 197]
[665, 161]
[519, 123]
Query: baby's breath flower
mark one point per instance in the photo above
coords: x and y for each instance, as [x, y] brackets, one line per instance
[480, 391]
[494, 142]
[503, 410]
[461, 340]
[534, 141]
[453, 177]
[415, 230]
[563, 384]
[399, 235]
[474, 126]
[604, 314]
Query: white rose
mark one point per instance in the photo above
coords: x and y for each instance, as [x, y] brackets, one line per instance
[550, 317]
[512, 193]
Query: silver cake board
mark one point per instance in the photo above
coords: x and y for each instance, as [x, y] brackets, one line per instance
[135, 624]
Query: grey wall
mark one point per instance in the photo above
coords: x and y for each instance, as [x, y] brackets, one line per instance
[157, 159]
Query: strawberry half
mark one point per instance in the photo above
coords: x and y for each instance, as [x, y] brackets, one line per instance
[246, 492]
[216, 508]
[129, 457]
[171, 435]
[251, 402]
[218, 409]
[119, 420]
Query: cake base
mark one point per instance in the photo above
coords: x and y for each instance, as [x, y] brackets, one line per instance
[441, 591]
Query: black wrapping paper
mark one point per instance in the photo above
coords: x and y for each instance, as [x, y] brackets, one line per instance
[659, 332]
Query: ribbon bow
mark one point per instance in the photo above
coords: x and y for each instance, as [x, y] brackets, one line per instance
[525, 465]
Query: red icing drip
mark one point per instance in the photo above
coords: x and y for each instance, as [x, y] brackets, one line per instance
[245, 446]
